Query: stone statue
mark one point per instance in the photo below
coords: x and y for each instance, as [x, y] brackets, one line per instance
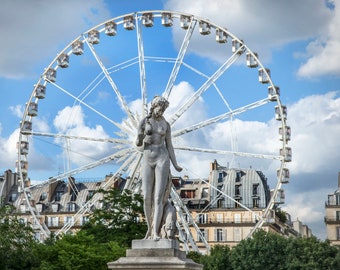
[154, 134]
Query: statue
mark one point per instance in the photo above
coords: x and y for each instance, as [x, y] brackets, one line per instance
[154, 134]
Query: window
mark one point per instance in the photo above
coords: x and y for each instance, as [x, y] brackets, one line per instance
[71, 207]
[256, 202]
[187, 194]
[68, 220]
[237, 218]
[58, 196]
[238, 176]
[237, 202]
[53, 221]
[337, 233]
[205, 192]
[255, 189]
[220, 177]
[237, 234]
[237, 190]
[73, 196]
[37, 236]
[219, 218]
[219, 235]
[337, 199]
[203, 233]
[220, 203]
[337, 215]
[90, 194]
[202, 218]
[55, 207]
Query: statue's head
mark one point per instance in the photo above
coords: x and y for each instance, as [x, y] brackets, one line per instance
[159, 101]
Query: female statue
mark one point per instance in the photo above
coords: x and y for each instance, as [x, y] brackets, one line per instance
[155, 133]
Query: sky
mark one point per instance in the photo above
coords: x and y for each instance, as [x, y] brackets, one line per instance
[297, 40]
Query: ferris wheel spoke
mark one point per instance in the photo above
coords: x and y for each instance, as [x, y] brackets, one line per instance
[179, 59]
[211, 80]
[66, 136]
[227, 152]
[114, 157]
[142, 74]
[113, 85]
[220, 117]
[121, 127]
[87, 206]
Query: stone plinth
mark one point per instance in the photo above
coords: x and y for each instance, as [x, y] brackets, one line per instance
[151, 254]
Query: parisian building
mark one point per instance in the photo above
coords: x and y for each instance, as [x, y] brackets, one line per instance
[332, 218]
[219, 219]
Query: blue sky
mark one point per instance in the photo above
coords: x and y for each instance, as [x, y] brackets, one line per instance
[297, 40]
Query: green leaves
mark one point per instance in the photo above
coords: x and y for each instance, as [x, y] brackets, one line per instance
[271, 251]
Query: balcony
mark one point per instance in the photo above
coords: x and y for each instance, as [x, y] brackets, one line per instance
[332, 204]
[228, 221]
[332, 220]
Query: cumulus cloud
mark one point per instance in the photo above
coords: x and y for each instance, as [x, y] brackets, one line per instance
[36, 29]
[315, 123]
[323, 53]
[71, 121]
[262, 24]
[8, 149]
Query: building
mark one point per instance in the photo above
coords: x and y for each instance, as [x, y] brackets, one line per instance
[58, 206]
[224, 208]
[332, 218]
[227, 219]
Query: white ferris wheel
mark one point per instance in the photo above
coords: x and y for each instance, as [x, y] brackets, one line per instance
[81, 118]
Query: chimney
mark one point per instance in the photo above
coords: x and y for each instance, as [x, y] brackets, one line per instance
[338, 179]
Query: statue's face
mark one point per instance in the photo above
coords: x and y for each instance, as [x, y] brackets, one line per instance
[158, 111]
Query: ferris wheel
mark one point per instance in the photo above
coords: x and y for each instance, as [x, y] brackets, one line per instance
[81, 118]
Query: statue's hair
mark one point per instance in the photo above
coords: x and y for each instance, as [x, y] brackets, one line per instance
[158, 100]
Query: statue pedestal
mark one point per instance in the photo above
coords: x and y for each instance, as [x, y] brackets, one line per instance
[151, 254]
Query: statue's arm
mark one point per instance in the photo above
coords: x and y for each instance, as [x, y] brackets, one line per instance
[140, 133]
[170, 148]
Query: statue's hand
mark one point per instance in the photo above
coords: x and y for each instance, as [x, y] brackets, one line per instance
[178, 168]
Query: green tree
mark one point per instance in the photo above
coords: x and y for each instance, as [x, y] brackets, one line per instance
[262, 251]
[77, 252]
[121, 218]
[219, 258]
[311, 253]
[16, 241]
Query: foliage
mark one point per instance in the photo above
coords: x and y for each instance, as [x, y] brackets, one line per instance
[272, 251]
[263, 251]
[219, 258]
[16, 241]
[120, 219]
[195, 256]
[80, 251]
[282, 215]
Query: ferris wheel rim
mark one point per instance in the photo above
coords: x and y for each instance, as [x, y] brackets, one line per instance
[167, 92]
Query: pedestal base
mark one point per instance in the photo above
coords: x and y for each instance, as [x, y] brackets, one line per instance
[151, 254]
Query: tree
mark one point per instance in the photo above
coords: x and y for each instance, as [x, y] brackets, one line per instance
[80, 251]
[16, 241]
[219, 259]
[121, 218]
[267, 250]
[262, 251]
[311, 253]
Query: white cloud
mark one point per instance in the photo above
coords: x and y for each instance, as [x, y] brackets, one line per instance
[17, 110]
[35, 30]
[71, 121]
[315, 123]
[8, 149]
[323, 53]
[263, 24]
[308, 207]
